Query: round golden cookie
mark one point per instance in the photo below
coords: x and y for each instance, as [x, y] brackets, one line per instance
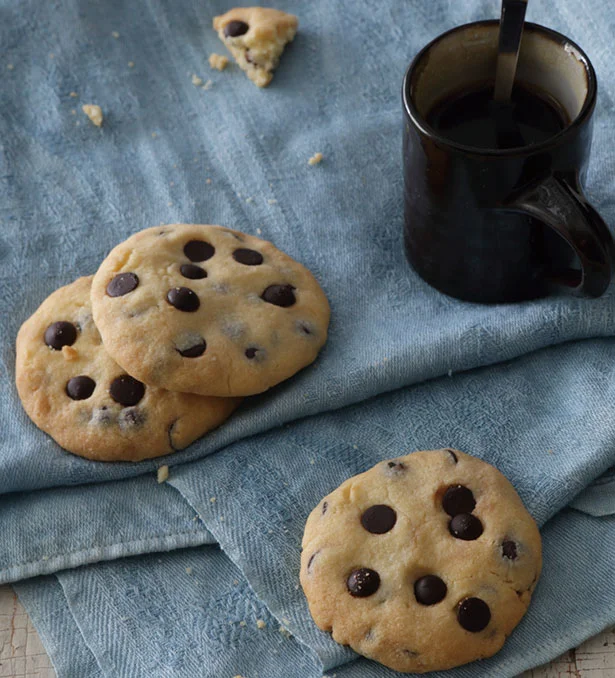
[208, 310]
[75, 392]
[422, 563]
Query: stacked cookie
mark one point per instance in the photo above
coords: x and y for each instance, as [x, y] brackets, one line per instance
[158, 347]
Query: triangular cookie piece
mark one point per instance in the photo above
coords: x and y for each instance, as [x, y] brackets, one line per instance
[256, 37]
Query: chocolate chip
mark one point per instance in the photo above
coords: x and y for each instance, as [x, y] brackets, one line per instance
[80, 388]
[325, 506]
[279, 295]
[453, 455]
[126, 391]
[311, 560]
[248, 257]
[192, 271]
[465, 526]
[458, 499]
[193, 351]
[251, 353]
[379, 519]
[122, 284]
[509, 550]
[429, 589]
[363, 582]
[397, 465]
[132, 417]
[473, 614]
[234, 29]
[60, 334]
[198, 250]
[183, 299]
[304, 328]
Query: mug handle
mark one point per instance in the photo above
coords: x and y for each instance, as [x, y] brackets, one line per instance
[565, 209]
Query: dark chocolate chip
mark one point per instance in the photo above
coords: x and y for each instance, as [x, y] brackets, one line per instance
[458, 499]
[183, 299]
[80, 388]
[279, 295]
[453, 455]
[126, 391]
[60, 334]
[379, 519]
[509, 550]
[122, 284]
[473, 614]
[192, 271]
[251, 353]
[429, 589]
[325, 506]
[198, 250]
[132, 417]
[248, 257]
[363, 582]
[194, 351]
[234, 29]
[465, 526]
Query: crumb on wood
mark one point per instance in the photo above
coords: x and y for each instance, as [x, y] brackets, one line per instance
[196, 81]
[218, 61]
[94, 113]
[315, 159]
[260, 624]
[69, 353]
[163, 474]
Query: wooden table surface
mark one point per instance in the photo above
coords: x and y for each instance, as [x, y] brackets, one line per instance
[22, 654]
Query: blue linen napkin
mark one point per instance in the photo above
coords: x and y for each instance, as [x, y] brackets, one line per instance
[69, 192]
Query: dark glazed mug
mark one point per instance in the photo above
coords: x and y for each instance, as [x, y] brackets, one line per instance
[490, 225]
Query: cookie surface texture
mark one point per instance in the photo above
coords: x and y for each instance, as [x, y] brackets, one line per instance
[203, 309]
[72, 389]
[422, 563]
[256, 37]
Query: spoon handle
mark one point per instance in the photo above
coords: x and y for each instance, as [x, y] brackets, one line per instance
[511, 30]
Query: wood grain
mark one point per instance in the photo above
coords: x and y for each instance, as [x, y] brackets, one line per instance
[22, 654]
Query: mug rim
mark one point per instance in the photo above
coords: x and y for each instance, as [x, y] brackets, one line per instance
[421, 123]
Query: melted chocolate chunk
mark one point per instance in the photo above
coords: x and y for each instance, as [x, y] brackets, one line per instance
[234, 29]
[193, 351]
[126, 391]
[192, 271]
[473, 614]
[379, 519]
[279, 295]
[509, 550]
[429, 589]
[465, 526]
[183, 299]
[248, 257]
[198, 250]
[60, 334]
[458, 499]
[80, 388]
[122, 284]
[363, 582]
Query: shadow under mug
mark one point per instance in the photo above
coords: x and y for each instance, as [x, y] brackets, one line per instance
[489, 225]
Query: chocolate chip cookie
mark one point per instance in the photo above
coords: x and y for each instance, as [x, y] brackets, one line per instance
[75, 392]
[256, 37]
[208, 310]
[422, 563]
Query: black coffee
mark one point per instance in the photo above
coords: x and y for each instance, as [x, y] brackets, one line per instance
[473, 118]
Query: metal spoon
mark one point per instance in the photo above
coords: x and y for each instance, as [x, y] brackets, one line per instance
[511, 30]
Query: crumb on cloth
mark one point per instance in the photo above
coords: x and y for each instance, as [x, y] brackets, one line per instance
[162, 474]
[94, 113]
[218, 61]
[315, 159]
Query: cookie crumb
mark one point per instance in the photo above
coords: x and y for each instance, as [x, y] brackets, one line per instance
[285, 632]
[550, 452]
[73, 111]
[218, 61]
[115, 34]
[258, 230]
[212, 500]
[188, 570]
[315, 159]
[154, 135]
[73, 94]
[260, 624]
[94, 113]
[242, 623]
[235, 582]
[131, 64]
[272, 201]
[69, 353]
[10, 67]
[163, 474]
[196, 81]
[207, 85]
[208, 181]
